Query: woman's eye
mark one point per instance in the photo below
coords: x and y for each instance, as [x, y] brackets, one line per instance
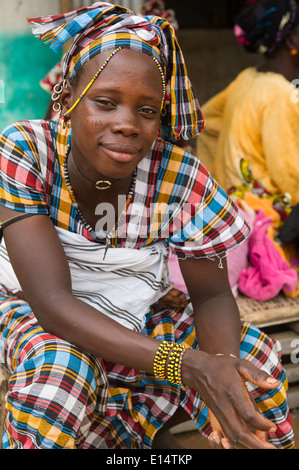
[148, 111]
[103, 102]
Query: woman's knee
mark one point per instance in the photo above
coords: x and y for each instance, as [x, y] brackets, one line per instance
[66, 366]
[57, 387]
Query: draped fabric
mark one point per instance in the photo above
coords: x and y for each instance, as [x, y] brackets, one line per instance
[140, 277]
[264, 25]
[58, 397]
[175, 198]
[253, 119]
[102, 27]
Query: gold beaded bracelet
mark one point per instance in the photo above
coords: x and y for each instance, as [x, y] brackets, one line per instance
[174, 368]
[161, 358]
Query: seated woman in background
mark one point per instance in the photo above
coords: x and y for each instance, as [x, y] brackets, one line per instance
[90, 204]
[251, 128]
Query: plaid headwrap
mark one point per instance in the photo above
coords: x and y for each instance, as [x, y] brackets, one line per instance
[102, 27]
[264, 25]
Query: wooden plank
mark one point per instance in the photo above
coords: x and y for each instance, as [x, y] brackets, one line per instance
[66, 5]
[276, 311]
[187, 426]
[294, 326]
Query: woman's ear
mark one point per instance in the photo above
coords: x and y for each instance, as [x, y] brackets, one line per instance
[66, 97]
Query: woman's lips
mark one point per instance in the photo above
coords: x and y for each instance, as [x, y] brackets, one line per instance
[120, 152]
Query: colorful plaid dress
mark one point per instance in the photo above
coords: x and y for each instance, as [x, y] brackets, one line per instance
[62, 397]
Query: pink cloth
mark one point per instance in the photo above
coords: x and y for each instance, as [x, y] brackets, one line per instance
[237, 260]
[269, 273]
[175, 273]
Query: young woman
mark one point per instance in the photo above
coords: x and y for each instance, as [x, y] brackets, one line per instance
[89, 206]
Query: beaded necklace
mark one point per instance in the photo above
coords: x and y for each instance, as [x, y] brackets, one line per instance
[86, 225]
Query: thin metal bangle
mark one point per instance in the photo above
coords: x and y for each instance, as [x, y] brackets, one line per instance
[227, 354]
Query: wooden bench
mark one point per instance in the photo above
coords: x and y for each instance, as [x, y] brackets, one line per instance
[279, 318]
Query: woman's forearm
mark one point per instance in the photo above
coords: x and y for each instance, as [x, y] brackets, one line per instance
[94, 332]
[40, 264]
[216, 314]
[217, 324]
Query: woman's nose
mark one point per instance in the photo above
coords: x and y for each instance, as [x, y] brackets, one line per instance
[126, 122]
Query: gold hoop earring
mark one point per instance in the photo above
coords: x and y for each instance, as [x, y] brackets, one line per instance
[163, 111]
[56, 107]
[57, 91]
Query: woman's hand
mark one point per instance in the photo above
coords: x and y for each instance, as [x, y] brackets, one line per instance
[174, 299]
[217, 439]
[219, 381]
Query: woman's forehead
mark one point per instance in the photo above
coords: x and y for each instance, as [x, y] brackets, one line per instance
[125, 66]
[126, 61]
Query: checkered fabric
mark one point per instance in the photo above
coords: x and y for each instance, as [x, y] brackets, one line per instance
[54, 388]
[57, 395]
[104, 27]
[175, 198]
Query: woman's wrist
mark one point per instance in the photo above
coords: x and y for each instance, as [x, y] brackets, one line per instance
[196, 365]
[193, 366]
[179, 363]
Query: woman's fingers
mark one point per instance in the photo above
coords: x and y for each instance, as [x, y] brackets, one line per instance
[241, 424]
[256, 376]
[240, 434]
[174, 298]
[219, 382]
[217, 439]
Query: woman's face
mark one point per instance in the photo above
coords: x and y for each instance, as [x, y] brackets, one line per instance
[116, 122]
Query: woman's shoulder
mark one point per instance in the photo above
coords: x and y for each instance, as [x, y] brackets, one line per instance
[173, 154]
[272, 82]
[178, 168]
[29, 130]
[261, 78]
[31, 140]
